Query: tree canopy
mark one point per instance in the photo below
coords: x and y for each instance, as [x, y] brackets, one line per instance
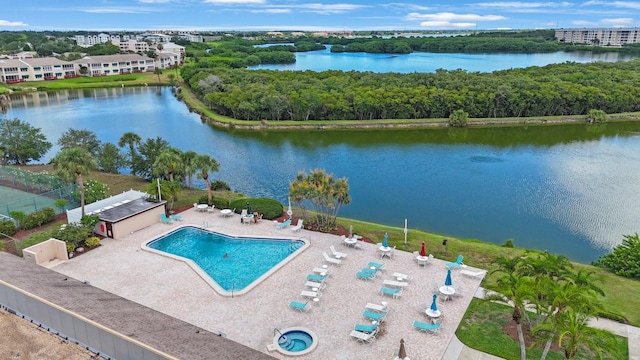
[21, 143]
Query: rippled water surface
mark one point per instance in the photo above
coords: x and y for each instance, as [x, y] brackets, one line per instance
[567, 189]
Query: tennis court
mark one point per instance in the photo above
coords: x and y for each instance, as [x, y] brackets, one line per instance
[17, 200]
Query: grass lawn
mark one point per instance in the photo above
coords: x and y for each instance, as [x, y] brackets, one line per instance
[483, 328]
[135, 79]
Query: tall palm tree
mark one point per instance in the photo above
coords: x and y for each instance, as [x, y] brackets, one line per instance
[168, 164]
[205, 164]
[189, 170]
[131, 140]
[73, 164]
[158, 72]
[5, 100]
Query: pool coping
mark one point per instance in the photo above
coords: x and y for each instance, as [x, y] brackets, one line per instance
[207, 278]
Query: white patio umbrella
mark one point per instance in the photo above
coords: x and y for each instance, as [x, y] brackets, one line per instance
[289, 211]
[405, 232]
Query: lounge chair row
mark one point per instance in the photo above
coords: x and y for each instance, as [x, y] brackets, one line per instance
[366, 333]
[286, 223]
[369, 272]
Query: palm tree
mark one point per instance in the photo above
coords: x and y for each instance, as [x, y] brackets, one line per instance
[5, 100]
[168, 163]
[158, 72]
[73, 164]
[130, 139]
[189, 170]
[205, 164]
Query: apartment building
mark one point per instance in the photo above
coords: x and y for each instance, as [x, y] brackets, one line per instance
[106, 65]
[599, 36]
[35, 69]
[90, 40]
[132, 45]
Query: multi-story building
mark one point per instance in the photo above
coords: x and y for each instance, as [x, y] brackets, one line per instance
[132, 45]
[191, 37]
[105, 65]
[35, 69]
[599, 36]
[90, 40]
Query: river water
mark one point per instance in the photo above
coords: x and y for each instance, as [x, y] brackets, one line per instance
[569, 189]
[323, 60]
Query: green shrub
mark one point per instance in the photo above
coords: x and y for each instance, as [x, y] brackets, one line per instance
[508, 244]
[18, 215]
[458, 118]
[93, 191]
[7, 227]
[203, 200]
[92, 241]
[38, 218]
[70, 247]
[596, 116]
[221, 203]
[269, 208]
[624, 260]
[73, 234]
[219, 185]
[90, 221]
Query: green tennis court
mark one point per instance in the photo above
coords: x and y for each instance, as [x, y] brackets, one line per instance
[17, 200]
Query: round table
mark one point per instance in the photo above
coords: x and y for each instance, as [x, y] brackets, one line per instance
[433, 314]
[202, 207]
[226, 212]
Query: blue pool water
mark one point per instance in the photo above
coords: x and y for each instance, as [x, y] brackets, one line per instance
[233, 263]
[295, 341]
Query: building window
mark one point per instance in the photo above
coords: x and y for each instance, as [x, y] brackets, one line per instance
[25, 77]
[38, 76]
[24, 69]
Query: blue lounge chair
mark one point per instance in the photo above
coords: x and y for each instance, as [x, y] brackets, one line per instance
[426, 327]
[365, 328]
[455, 264]
[319, 278]
[376, 265]
[299, 306]
[283, 224]
[389, 291]
[364, 275]
[175, 217]
[378, 316]
[165, 219]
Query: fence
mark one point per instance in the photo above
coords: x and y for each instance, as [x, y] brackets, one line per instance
[25, 191]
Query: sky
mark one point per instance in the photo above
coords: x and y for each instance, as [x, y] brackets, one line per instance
[321, 15]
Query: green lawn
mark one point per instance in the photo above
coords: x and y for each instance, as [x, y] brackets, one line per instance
[482, 329]
[136, 79]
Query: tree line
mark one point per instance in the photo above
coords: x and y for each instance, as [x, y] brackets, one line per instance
[558, 89]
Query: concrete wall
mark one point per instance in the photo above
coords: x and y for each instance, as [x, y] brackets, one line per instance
[137, 222]
[90, 335]
[46, 251]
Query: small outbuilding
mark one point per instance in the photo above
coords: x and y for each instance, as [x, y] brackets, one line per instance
[121, 214]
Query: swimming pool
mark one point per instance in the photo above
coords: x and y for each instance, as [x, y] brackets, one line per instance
[235, 264]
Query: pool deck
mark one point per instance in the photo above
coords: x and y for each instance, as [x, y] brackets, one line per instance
[171, 287]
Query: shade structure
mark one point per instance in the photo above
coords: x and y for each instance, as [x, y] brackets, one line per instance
[447, 280]
[248, 208]
[434, 306]
[402, 353]
[385, 242]
[423, 251]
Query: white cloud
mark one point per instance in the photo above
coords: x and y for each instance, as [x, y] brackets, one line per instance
[272, 11]
[405, 6]
[12, 23]
[447, 25]
[524, 5]
[326, 9]
[240, 2]
[584, 23]
[154, 1]
[619, 4]
[618, 22]
[451, 17]
[114, 10]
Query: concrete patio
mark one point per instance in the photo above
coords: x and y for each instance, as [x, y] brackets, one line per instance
[173, 288]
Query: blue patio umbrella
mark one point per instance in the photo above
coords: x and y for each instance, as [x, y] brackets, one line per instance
[434, 307]
[447, 281]
[385, 242]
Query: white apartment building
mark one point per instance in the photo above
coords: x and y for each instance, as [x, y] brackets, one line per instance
[191, 37]
[106, 65]
[35, 69]
[132, 45]
[90, 40]
[599, 36]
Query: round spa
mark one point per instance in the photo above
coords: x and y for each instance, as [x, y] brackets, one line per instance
[295, 341]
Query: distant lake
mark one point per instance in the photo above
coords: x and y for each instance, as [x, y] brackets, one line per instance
[568, 189]
[323, 60]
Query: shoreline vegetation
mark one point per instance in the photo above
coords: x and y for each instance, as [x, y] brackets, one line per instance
[195, 105]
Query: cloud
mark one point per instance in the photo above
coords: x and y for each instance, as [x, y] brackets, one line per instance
[328, 9]
[449, 17]
[584, 23]
[240, 2]
[405, 6]
[518, 5]
[618, 22]
[272, 11]
[114, 10]
[619, 4]
[5, 23]
[154, 1]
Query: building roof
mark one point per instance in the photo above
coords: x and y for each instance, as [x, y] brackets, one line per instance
[112, 58]
[127, 210]
[32, 62]
[155, 329]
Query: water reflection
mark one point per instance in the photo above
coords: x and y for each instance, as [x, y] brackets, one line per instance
[567, 189]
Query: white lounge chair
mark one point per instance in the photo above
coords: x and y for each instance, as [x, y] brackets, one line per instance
[313, 284]
[365, 338]
[401, 276]
[298, 226]
[310, 294]
[337, 254]
[329, 259]
[475, 274]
